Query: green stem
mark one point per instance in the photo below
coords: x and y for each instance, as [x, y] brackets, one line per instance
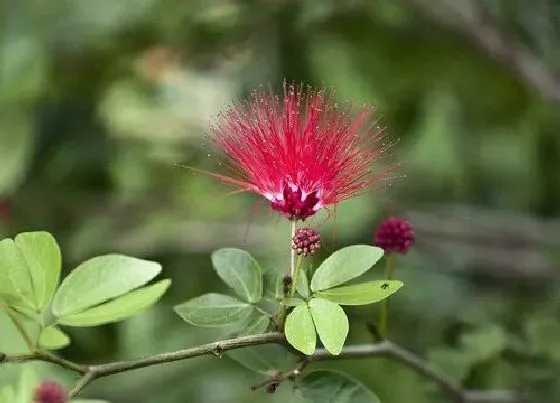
[8, 311]
[384, 315]
[292, 252]
[296, 275]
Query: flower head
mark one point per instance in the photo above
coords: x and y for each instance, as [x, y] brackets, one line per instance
[395, 235]
[301, 153]
[50, 392]
[306, 241]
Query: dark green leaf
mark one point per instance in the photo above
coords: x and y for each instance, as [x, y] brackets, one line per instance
[324, 386]
[331, 324]
[300, 331]
[213, 310]
[240, 271]
[361, 294]
[345, 264]
[257, 325]
[266, 359]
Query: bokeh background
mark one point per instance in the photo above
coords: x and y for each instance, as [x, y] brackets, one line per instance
[101, 99]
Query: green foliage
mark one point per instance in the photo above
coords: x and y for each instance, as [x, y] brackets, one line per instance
[213, 310]
[361, 294]
[324, 386]
[300, 330]
[100, 279]
[119, 308]
[292, 301]
[268, 359]
[258, 324]
[302, 285]
[30, 268]
[102, 290]
[52, 338]
[240, 271]
[330, 322]
[345, 264]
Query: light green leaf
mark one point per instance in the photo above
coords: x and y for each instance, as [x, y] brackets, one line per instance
[331, 324]
[52, 338]
[100, 279]
[345, 264]
[15, 280]
[119, 308]
[302, 285]
[325, 386]
[292, 301]
[361, 294]
[267, 359]
[300, 331]
[7, 394]
[213, 310]
[240, 271]
[27, 383]
[273, 286]
[43, 260]
[257, 325]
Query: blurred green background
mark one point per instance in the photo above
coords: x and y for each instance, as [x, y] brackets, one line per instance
[101, 99]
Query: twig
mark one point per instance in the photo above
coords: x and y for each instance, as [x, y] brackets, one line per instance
[384, 349]
[474, 20]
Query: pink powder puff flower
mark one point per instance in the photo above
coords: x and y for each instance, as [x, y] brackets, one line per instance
[301, 153]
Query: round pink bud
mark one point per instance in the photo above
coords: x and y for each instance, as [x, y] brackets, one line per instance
[50, 392]
[306, 241]
[395, 235]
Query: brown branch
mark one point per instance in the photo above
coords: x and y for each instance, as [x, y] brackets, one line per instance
[384, 349]
[473, 19]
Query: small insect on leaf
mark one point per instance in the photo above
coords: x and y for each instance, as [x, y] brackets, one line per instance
[384, 286]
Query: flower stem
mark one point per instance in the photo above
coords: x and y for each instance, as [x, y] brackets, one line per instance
[292, 252]
[296, 275]
[384, 315]
[8, 311]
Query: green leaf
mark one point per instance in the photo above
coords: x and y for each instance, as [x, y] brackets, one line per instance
[454, 363]
[324, 386]
[240, 271]
[331, 324]
[302, 285]
[267, 359]
[15, 280]
[43, 260]
[119, 308]
[257, 324]
[345, 264]
[485, 343]
[292, 301]
[7, 394]
[300, 331]
[52, 338]
[100, 279]
[273, 286]
[27, 383]
[361, 294]
[213, 310]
